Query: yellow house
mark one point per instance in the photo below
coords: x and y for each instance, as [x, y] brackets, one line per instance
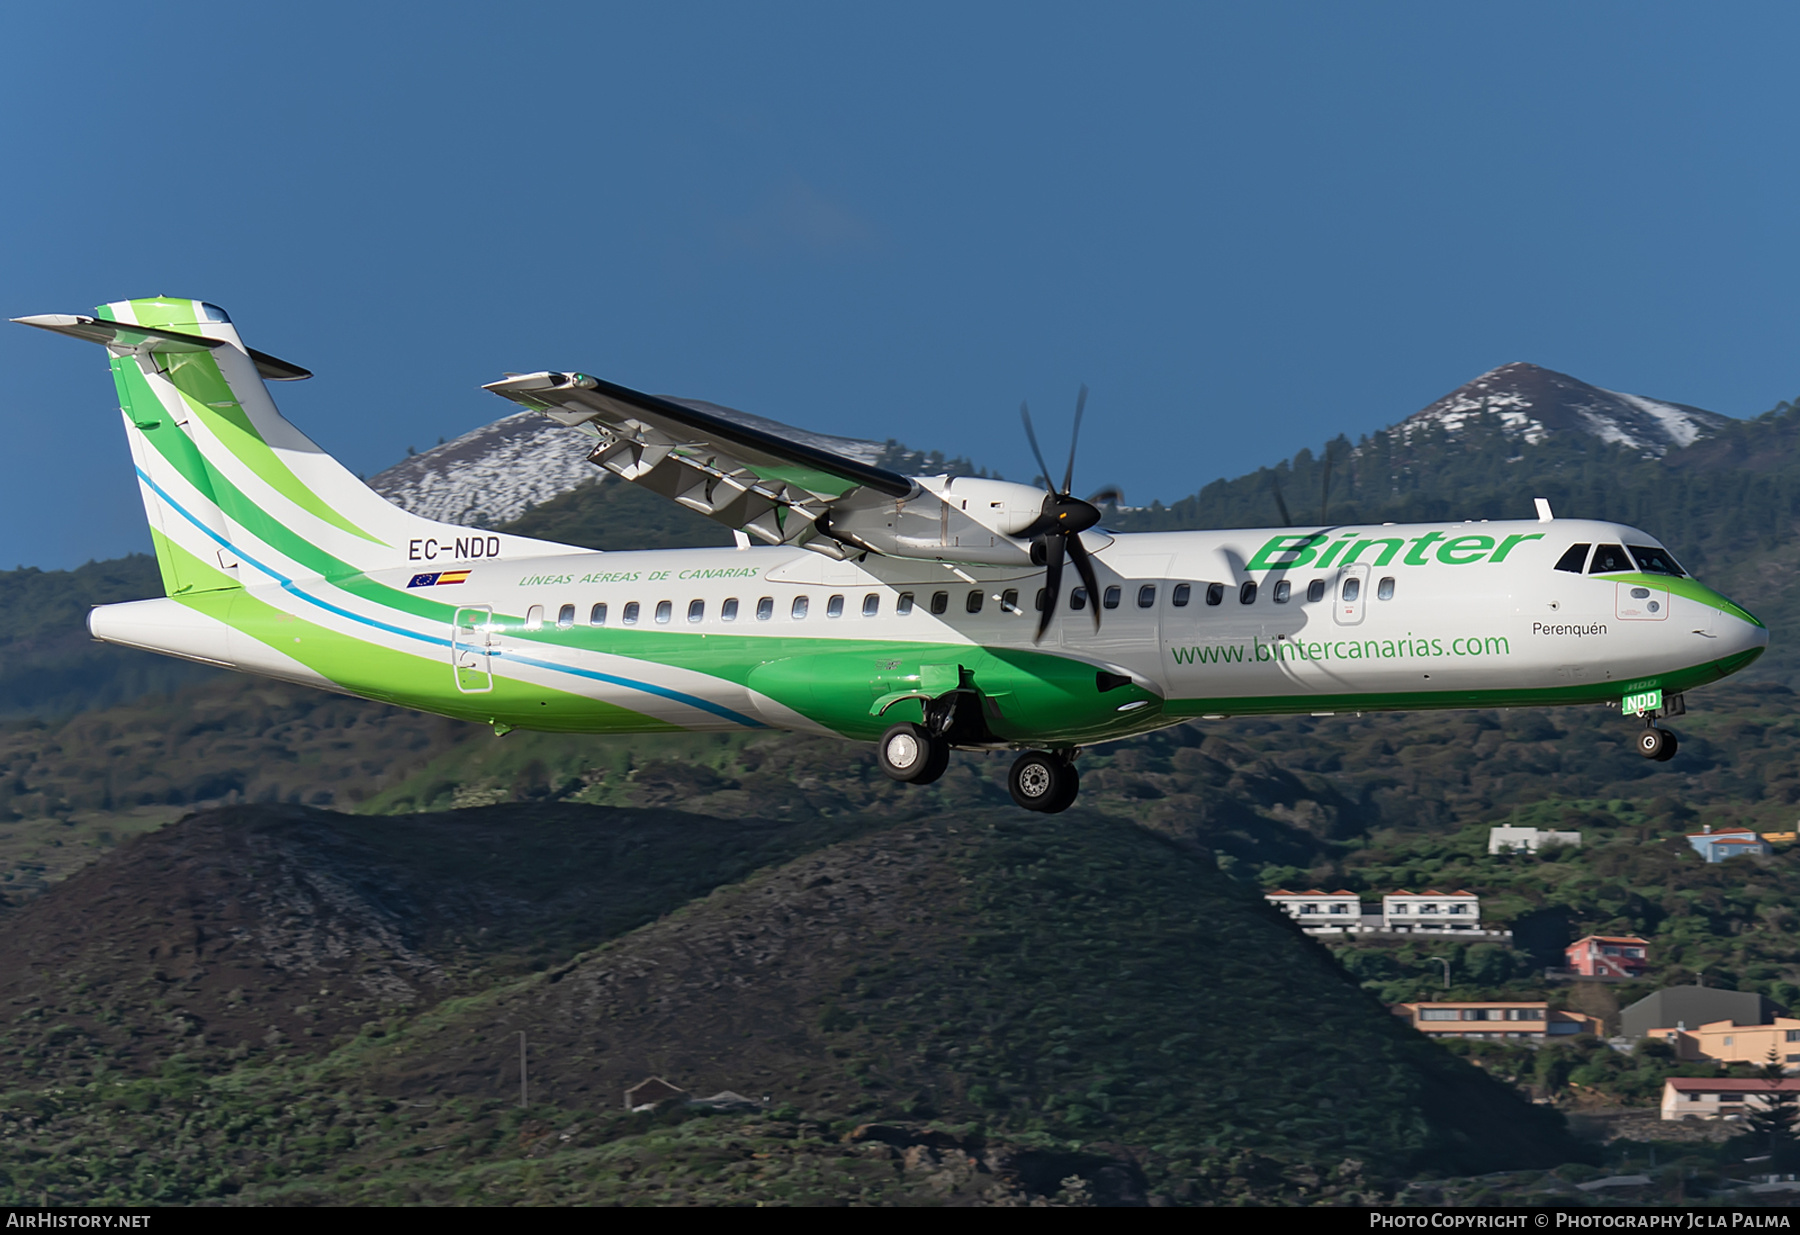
[1730, 1042]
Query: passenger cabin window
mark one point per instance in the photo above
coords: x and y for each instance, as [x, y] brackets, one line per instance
[973, 603]
[1043, 597]
[665, 609]
[728, 610]
[534, 617]
[940, 603]
[1146, 596]
[1215, 593]
[871, 604]
[565, 617]
[904, 605]
[597, 615]
[1574, 559]
[631, 613]
[834, 607]
[1183, 593]
[1654, 561]
[765, 608]
[696, 610]
[1384, 590]
[1009, 600]
[1110, 597]
[1315, 591]
[1078, 598]
[1352, 588]
[1247, 593]
[1283, 590]
[801, 604]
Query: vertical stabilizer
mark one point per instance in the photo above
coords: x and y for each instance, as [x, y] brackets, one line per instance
[233, 492]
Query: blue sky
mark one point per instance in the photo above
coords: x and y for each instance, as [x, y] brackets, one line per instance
[1247, 227]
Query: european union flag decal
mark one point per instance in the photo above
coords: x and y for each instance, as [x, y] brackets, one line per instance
[424, 580]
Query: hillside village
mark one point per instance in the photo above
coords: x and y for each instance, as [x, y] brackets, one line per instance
[360, 910]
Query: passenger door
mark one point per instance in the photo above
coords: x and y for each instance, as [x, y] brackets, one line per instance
[471, 649]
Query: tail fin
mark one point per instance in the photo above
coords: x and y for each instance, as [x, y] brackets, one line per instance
[228, 484]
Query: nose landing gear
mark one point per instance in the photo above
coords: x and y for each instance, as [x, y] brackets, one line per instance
[1657, 744]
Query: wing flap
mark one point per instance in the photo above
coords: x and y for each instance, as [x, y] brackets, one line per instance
[742, 471]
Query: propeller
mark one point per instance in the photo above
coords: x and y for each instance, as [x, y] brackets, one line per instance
[1057, 530]
[1287, 520]
[1325, 489]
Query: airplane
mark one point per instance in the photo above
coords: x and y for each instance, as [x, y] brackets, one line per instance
[921, 613]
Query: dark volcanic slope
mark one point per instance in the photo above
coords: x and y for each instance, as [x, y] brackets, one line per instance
[1073, 975]
[249, 927]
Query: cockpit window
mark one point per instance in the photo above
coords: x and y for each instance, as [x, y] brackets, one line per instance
[1609, 559]
[1654, 561]
[1574, 559]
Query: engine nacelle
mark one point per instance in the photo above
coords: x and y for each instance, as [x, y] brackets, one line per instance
[948, 519]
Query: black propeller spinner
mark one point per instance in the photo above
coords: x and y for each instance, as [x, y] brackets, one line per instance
[1057, 529]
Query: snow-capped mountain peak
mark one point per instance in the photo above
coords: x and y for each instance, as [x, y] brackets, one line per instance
[1535, 403]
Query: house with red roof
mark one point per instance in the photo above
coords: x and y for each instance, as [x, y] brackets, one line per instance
[1726, 843]
[1431, 910]
[1609, 956]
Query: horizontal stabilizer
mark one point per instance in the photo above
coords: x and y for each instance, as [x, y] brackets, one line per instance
[142, 340]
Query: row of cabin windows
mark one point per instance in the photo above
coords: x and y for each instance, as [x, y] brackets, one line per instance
[1181, 595]
[1613, 559]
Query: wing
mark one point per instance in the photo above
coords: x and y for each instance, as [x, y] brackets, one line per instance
[772, 481]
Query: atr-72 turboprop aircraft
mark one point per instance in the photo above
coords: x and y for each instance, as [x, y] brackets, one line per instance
[921, 613]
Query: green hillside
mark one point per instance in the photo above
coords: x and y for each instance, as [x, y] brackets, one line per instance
[1002, 995]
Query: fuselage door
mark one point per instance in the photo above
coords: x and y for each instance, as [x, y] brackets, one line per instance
[1352, 592]
[472, 649]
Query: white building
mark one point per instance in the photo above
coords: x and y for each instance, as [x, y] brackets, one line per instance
[1316, 908]
[1431, 910]
[1528, 840]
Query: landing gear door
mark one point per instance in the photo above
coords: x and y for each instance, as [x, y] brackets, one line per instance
[1637, 603]
[1352, 593]
[472, 649]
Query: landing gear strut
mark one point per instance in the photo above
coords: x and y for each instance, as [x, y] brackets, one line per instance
[1043, 781]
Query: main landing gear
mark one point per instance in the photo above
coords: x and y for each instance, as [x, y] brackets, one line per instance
[1044, 781]
[912, 754]
[1040, 780]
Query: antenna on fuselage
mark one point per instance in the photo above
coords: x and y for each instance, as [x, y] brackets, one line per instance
[1543, 509]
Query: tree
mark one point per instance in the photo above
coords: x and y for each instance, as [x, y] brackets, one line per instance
[1774, 1117]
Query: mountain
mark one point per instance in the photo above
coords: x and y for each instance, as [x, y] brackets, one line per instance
[496, 473]
[266, 999]
[1534, 404]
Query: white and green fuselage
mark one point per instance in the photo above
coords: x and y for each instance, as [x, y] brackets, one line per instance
[278, 561]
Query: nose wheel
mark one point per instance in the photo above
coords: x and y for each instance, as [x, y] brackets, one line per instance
[1043, 781]
[1657, 744]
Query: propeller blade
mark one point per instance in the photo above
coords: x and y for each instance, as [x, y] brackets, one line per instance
[1325, 489]
[1281, 505]
[1111, 495]
[1053, 564]
[1025, 415]
[1080, 406]
[1085, 568]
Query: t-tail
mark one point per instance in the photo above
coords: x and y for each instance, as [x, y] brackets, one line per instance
[236, 496]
